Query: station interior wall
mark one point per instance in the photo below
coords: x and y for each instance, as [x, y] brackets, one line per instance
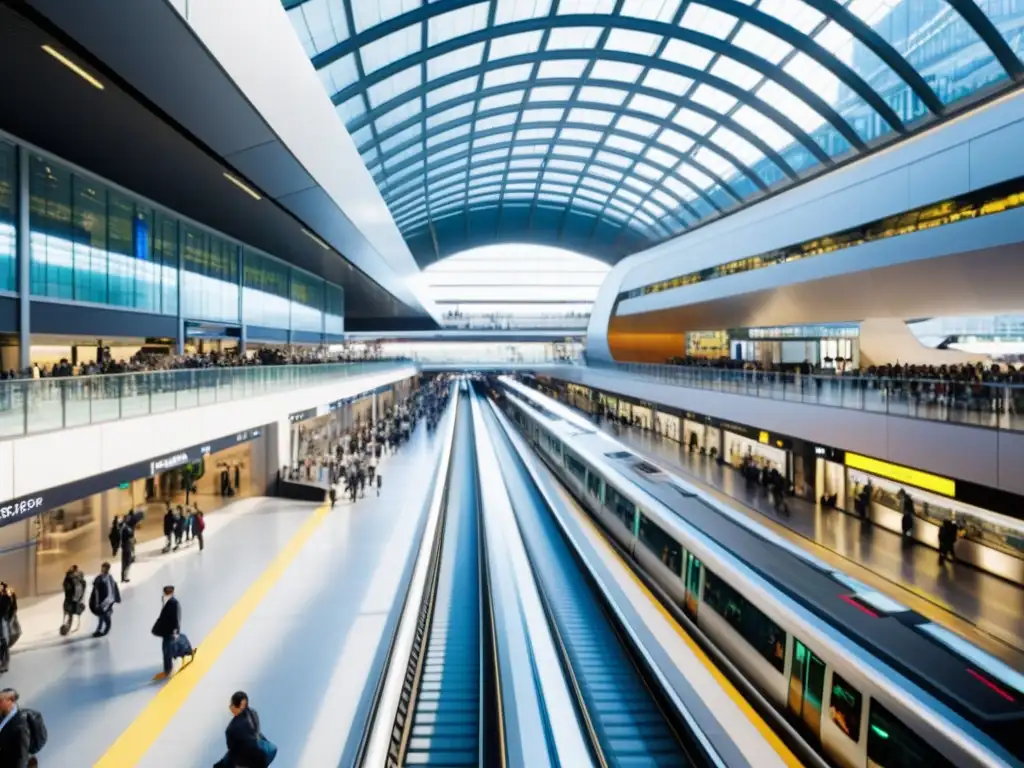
[987, 457]
[37, 462]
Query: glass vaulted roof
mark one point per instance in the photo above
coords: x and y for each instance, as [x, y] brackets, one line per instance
[606, 126]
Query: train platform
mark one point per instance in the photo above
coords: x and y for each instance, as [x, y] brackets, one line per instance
[983, 608]
[290, 602]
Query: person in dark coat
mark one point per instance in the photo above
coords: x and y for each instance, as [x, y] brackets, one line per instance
[114, 537]
[8, 612]
[167, 627]
[242, 736]
[14, 734]
[105, 593]
[127, 550]
[168, 528]
[74, 593]
[179, 527]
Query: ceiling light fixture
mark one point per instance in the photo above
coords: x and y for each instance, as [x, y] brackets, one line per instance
[73, 67]
[316, 239]
[242, 186]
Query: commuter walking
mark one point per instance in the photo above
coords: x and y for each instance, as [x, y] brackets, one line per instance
[168, 528]
[127, 550]
[198, 526]
[948, 533]
[74, 594]
[247, 746]
[105, 593]
[188, 526]
[179, 528]
[114, 537]
[15, 738]
[10, 630]
[907, 523]
[168, 629]
[332, 495]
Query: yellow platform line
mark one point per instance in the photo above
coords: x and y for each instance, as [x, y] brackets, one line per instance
[724, 683]
[136, 740]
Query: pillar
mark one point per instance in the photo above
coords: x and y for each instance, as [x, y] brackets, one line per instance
[24, 264]
[180, 341]
[241, 316]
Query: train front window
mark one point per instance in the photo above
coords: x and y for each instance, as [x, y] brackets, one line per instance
[892, 745]
[844, 707]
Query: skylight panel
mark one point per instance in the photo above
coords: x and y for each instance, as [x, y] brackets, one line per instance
[480, 170]
[497, 121]
[599, 185]
[871, 12]
[687, 54]
[398, 115]
[669, 82]
[566, 165]
[390, 48]
[661, 157]
[715, 163]
[532, 134]
[585, 205]
[551, 93]
[681, 190]
[652, 106]
[462, 21]
[793, 107]
[708, 21]
[524, 163]
[675, 140]
[351, 109]
[649, 171]
[556, 176]
[629, 145]
[764, 128]
[325, 22]
[615, 70]
[409, 170]
[447, 169]
[393, 86]
[514, 45]
[370, 155]
[636, 125]
[447, 135]
[590, 194]
[521, 186]
[508, 11]
[613, 96]
[582, 152]
[614, 213]
[646, 219]
[573, 7]
[339, 74]
[556, 188]
[611, 158]
[694, 121]
[453, 113]
[740, 148]
[624, 208]
[451, 91]
[625, 194]
[499, 100]
[517, 73]
[713, 98]
[664, 198]
[590, 116]
[449, 152]
[566, 38]
[736, 73]
[632, 41]
[653, 209]
[366, 15]
[531, 149]
[460, 58]
[764, 44]
[581, 134]
[553, 198]
[550, 115]
[795, 13]
[657, 10]
[812, 74]
[559, 68]
[605, 173]
[493, 154]
[699, 178]
[412, 132]
[362, 137]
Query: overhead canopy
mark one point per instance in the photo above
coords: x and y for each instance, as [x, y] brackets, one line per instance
[608, 125]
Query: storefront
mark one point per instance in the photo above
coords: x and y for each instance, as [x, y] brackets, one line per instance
[830, 347]
[667, 425]
[763, 449]
[579, 397]
[69, 525]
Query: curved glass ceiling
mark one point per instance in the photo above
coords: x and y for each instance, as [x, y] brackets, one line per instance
[608, 125]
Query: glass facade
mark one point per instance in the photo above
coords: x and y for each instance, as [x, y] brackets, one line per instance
[640, 119]
[95, 244]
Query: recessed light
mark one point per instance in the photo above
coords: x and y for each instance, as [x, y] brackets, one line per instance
[73, 67]
[242, 186]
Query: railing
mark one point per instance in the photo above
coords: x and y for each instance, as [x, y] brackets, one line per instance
[41, 405]
[986, 404]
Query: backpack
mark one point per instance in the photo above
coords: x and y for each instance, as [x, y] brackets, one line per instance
[36, 731]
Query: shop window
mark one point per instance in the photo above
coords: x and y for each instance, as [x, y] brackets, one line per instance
[845, 707]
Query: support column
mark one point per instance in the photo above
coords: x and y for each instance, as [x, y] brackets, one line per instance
[180, 341]
[24, 264]
[241, 316]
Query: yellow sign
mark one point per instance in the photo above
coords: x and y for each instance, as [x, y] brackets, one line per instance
[763, 438]
[915, 477]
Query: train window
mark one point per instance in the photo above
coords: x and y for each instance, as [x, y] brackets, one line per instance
[595, 485]
[767, 637]
[554, 445]
[892, 745]
[576, 467]
[620, 505]
[661, 544]
[844, 707]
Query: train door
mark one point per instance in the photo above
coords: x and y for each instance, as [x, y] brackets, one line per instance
[806, 688]
[691, 575]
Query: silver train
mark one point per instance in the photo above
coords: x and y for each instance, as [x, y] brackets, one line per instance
[865, 680]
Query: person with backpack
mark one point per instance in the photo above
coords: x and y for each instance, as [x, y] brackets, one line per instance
[247, 746]
[22, 733]
[105, 593]
[74, 593]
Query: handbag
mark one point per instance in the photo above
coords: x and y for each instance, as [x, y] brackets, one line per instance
[15, 631]
[265, 745]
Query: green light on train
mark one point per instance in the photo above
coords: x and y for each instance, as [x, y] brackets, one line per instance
[880, 732]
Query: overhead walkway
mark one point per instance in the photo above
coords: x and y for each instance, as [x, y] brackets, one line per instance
[288, 602]
[986, 610]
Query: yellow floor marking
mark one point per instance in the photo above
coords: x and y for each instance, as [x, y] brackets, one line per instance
[136, 740]
[766, 731]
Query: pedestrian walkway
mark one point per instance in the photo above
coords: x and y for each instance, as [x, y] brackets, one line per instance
[983, 608]
[288, 601]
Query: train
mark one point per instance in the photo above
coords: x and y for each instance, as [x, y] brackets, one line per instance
[865, 681]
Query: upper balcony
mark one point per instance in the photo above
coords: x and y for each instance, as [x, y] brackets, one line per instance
[32, 406]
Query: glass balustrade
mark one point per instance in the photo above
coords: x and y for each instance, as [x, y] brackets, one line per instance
[28, 406]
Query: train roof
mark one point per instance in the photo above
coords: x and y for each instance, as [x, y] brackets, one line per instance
[961, 675]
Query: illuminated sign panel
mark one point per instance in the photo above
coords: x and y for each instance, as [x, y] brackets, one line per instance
[925, 480]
